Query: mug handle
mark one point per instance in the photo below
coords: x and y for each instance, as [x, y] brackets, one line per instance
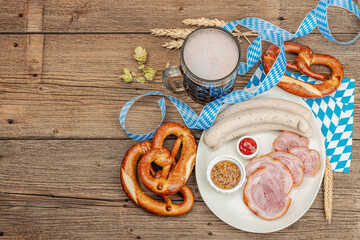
[175, 85]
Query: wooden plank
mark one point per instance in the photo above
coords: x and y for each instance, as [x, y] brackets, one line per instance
[140, 16]
[88, 169]
[78, 94]
[37, 217]
[71, 189]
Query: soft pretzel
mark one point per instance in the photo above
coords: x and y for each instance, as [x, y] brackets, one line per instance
[174, 175]
[303, 61]
[133, 191]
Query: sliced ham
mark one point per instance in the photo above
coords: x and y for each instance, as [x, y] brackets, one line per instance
[310, 157]
[264, 196]
[288, 140]
[294, 163]
[277, 169]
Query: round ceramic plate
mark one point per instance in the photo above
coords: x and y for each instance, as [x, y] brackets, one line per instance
[231, 208]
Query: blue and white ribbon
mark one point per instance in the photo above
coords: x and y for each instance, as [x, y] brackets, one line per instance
[267, 31]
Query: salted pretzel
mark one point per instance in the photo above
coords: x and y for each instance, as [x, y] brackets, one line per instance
[139, 197]
[174, 174]
[303, 61]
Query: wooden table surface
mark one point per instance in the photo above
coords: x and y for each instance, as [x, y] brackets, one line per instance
[61, 143]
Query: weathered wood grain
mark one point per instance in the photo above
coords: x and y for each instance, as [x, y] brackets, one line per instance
[61, 143]
[37, 217]
[13, 16]
[140, 16]
[71, 189]
[75, 93]
[34, 15]
[88, 168]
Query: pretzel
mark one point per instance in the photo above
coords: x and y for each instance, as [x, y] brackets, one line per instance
[303, 61]
[173, 175]
[133, 191]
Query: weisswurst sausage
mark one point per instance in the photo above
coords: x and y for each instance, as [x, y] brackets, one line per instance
[276, 103]
[261, 116]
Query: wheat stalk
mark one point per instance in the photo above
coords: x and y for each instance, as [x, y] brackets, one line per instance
[175, 44]
[200, 22]
[204, 22]
[328, 190]
[174, 33]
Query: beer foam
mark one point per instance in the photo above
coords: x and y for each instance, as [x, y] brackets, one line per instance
[211, 54]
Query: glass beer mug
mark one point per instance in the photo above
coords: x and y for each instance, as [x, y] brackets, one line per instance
[210, 61]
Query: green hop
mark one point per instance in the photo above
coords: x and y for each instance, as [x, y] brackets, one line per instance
[140, 55]
[149, 73]
[127, 76]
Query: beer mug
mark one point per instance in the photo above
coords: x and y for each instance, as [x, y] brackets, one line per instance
[210, 61]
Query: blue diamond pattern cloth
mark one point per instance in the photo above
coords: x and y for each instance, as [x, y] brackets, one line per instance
[334, 116]
[334, 113]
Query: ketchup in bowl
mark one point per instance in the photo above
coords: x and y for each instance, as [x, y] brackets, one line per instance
[247, 147]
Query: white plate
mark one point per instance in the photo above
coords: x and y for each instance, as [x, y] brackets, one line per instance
[231, 208]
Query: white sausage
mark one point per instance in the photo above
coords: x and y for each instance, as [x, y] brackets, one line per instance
[276, 103]
[259, 128]
[259, 116]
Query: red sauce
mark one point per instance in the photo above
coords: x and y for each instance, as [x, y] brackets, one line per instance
[247, 146]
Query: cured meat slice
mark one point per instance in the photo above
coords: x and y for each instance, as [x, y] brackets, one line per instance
[264, 197]
[310, 157]
[293, 162]
[288, 140]
[277, 169]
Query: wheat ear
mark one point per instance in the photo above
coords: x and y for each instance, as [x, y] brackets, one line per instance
[328, 190]
[175, 44]
[174, 33]
[204, 22]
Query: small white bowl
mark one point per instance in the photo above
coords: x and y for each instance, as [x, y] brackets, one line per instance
[247, 157]
[231, 159]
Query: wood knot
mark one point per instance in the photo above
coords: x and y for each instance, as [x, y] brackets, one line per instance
[10, 121]
[21, 15]
[280, 18]
[181, 8]
[56, 131]
[15, 44]
[74, 17]
[168, 208]
[210, 233]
